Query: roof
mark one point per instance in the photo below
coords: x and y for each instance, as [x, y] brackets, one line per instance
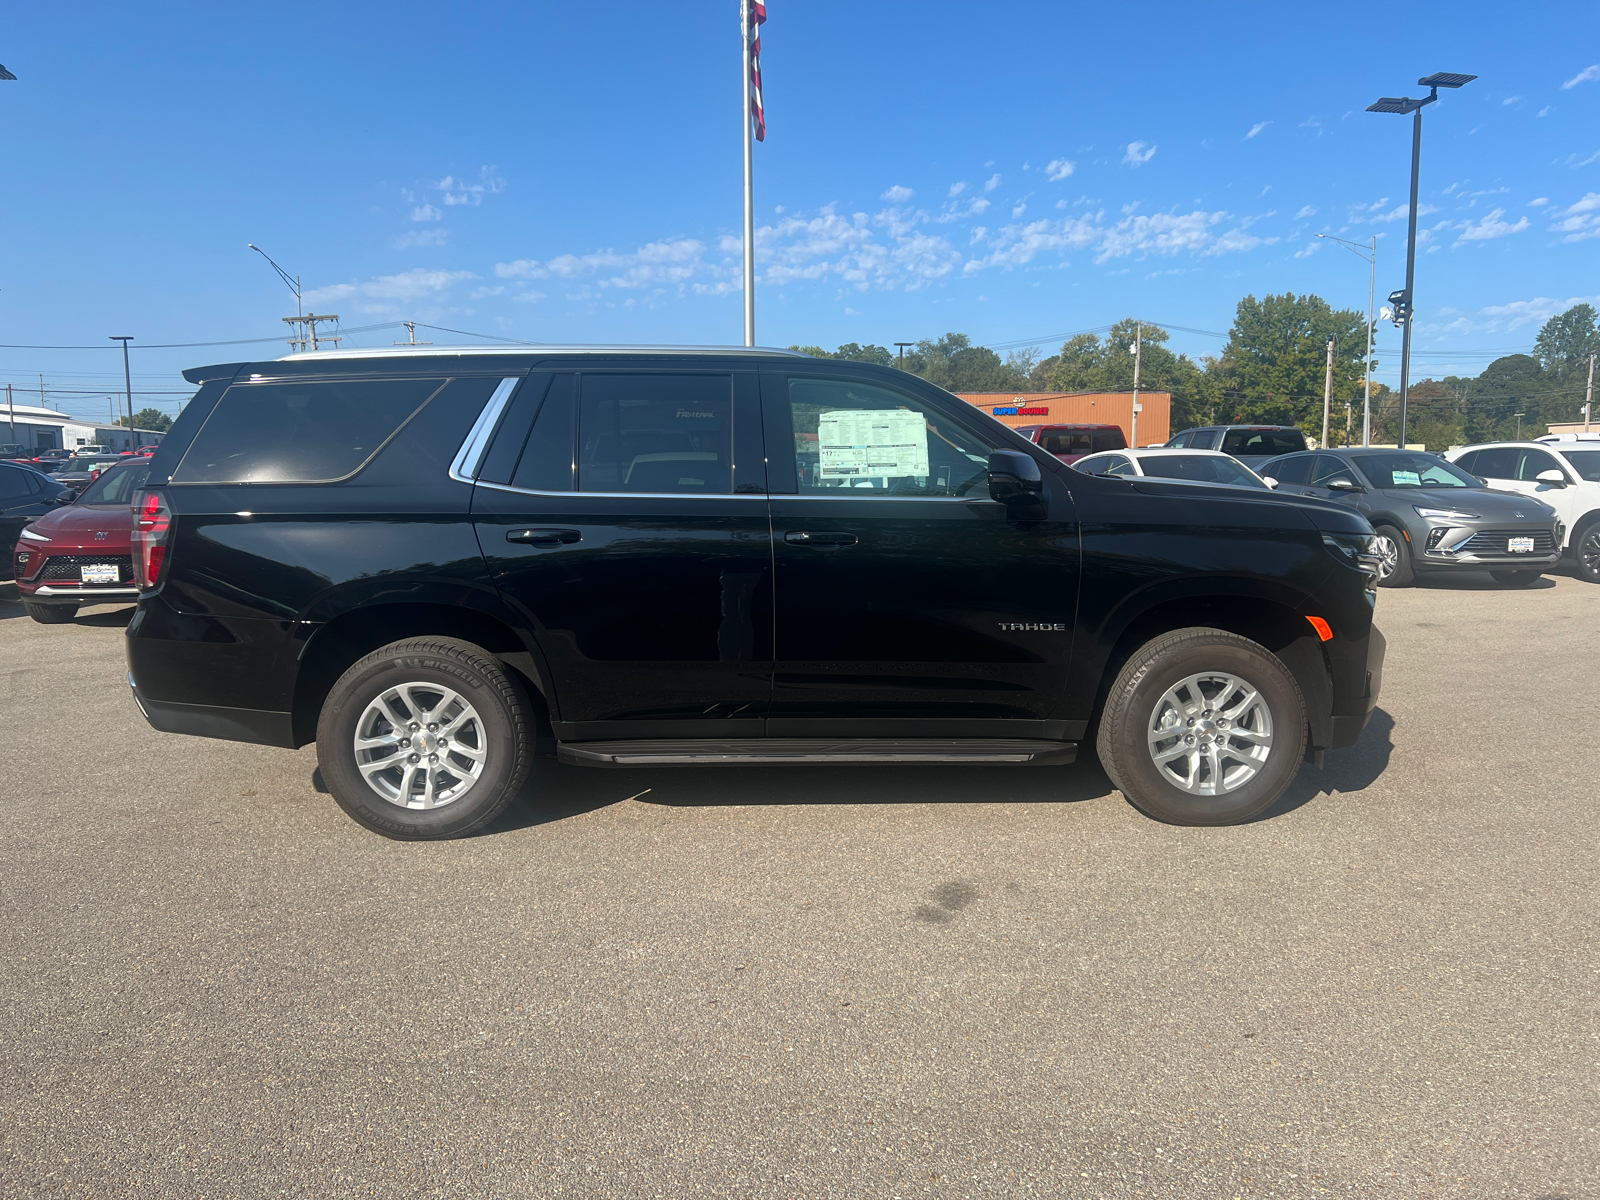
[533, 351]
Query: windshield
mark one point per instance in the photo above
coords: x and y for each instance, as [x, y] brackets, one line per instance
[1270, 442]
[1408, 470]
[1586, 463]
[1200, 468]
[116, 486]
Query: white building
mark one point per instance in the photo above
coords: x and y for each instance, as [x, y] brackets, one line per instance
[45, 429]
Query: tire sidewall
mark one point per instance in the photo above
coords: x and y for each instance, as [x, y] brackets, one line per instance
[1142, 780]
[1404, 573]
[357, 689]
[1588, 532]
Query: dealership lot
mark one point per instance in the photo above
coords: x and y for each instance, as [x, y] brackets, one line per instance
[817, 982]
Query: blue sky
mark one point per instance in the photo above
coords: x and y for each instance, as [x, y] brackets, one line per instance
[556, 173]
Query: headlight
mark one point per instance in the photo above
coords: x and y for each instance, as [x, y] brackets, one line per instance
[1445, 514]
[34, 537]
[1352, 547]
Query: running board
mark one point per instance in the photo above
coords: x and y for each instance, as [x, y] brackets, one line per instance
[661, 751]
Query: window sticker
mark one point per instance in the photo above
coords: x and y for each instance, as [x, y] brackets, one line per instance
[872, 443]
[1407, 479]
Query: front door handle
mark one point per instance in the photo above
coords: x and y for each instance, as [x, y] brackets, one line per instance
[544, 537]
[819, 541]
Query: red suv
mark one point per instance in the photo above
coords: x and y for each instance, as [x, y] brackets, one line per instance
[78, 554]
[1069, 443]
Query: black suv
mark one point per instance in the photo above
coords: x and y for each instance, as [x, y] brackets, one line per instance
[424, 560]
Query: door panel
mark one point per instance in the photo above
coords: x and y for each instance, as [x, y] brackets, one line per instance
[648, 583]
[908, 603]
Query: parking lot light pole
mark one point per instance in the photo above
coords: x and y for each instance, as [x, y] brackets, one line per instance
[1369, 255]
[1405, 305]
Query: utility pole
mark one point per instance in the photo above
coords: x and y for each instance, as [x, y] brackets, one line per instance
[1347, 424]
[902, 346]
[411, 328]
[1519, 417]
[306, 331]
[11, 408]
[1589, 394]
[127, 379]
[1371, 259]
[1138, 345]
[1327, 394]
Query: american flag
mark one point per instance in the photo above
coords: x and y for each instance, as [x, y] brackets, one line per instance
[758, 18]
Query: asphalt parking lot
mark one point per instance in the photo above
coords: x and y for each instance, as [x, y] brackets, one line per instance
[841, 982]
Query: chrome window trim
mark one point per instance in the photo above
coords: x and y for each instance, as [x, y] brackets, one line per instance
[470, 457]
[541, 351]
[506, 487]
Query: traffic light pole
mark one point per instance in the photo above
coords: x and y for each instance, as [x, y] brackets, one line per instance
[1411, 266]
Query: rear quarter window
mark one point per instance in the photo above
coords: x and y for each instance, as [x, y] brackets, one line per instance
[301, 432]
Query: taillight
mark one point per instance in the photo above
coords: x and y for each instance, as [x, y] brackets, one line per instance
[152, 525]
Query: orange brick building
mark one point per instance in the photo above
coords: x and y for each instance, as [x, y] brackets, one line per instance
[1074, 408]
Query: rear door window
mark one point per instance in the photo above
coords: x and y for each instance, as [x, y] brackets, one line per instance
[14, 485]
[640, 432]
[1294, 469]
[1263, 441]
[1499, 462]
[1534, 462]
[301, 432]
[1108, 439]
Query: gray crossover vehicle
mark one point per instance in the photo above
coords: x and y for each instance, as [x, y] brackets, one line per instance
[1429, 514]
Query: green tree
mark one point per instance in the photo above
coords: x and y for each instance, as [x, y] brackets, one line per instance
[149, 418]
[852, 352]
[1509, 385]
[1087, 364]
[1272, 369]
[955, 364]
[1563, 349]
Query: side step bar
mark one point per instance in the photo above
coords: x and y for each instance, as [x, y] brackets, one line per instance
[662, 751]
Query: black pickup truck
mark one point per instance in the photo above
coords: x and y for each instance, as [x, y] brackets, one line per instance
[432, 562]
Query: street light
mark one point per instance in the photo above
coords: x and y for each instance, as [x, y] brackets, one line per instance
[1405, 304]
[294, 284]
[1369, 255]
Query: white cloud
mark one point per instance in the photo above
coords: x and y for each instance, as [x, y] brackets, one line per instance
[1401, 211]
[1512, 100]
[1489, 227]
[485, 292]
[895, 195]
[955, 190]
[1058, 169]
[1138, 154]
[1539, 202]
[426, 212]
[992, 182]
[1588, 204]
[1543, 112]
[527, 297]
[1306, 211]
[1308, 249]
[1587, 75]
[1503, 318]
[421, 237]
[655, 264]
[416, 284]
[1256, 128]
[1019, 210]
[464, 191]
[1572, 160]
[1581, 221]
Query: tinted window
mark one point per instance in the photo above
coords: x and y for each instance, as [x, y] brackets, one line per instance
[300, 432]
[655, 433]
[1105, 464]
[13, 484]
[116, 487]
[1468, 462]
[1586, 463]
[870, 440]
[1263, 441]
[1498, 463]
[1533, 462]
[1407, 469]
[1326, 468]
[546, 462]
[1070, 443]
[1294, 469]
[1198, 468]
[1109, 439]
[1206, 439]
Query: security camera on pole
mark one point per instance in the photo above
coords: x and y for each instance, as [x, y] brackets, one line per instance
[1404, 300]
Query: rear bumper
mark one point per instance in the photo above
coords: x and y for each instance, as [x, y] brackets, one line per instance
[206, 720]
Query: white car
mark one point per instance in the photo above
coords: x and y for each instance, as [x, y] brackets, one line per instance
[1174, 464]
[1563, 472]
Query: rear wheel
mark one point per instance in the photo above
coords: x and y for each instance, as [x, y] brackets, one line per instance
[51, 614]
[1203, 727]
[1394, 557]
[1517, 578]
[424, 739]
[1587, 553]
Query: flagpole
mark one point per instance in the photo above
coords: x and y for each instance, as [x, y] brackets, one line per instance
[749, 187]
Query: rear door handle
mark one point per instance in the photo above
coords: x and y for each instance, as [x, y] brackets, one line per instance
[544, 537]
[819, 540]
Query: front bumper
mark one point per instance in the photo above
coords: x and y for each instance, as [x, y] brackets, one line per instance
[52, 593]
[1347, 727]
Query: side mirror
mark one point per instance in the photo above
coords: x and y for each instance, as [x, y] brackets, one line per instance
[1344, 485]
[1269, 481]
[1553, 478]
[1014, 478]
[66, 497]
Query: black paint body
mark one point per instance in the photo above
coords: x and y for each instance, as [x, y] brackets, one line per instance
[753, 612]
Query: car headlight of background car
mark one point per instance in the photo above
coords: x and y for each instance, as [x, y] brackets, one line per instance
[1445, 514]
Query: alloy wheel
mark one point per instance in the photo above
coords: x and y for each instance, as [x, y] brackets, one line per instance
[1388, 555]
[1589, 553]
[1210, 734]
[420, 745]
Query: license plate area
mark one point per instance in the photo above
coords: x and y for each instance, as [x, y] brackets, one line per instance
[1520, 545]
[99, 573]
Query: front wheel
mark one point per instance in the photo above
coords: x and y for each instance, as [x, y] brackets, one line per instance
[1587, 558]
[424, 739]
[1394, 557]
[1517, 578]
[1203, 727]
[51, 614]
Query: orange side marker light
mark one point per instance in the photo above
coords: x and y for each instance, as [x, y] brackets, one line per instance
[1324, 631]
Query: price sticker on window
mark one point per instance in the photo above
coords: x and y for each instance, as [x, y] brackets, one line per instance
[872, 443]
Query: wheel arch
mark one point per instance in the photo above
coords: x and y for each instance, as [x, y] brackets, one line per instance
[355, 633]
